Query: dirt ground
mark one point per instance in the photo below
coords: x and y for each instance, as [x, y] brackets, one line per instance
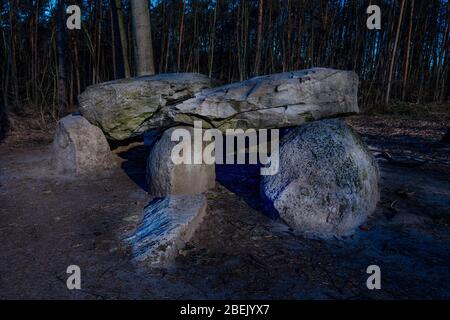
[48, 222]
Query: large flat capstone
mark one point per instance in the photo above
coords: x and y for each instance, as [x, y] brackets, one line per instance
[168, 224]
[129, 107]
[273, 101]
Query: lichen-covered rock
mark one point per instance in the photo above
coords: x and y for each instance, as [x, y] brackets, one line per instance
[129, 107]
[273, 101]
[164, 177]
[80, 147]
[327, 183]
[167, 225]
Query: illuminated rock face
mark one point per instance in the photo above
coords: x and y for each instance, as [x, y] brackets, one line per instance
[166, 178]
[327, 182]
[80, 148]
[274, 101]
[129, 107]
[168, 224]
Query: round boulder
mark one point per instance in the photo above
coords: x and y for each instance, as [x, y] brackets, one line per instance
[327, 183]
[80, 147]
[165, 178]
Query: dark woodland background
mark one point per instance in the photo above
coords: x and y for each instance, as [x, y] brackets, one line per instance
[44, 66]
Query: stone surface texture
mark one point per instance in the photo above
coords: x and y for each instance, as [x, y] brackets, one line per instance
[167, 225]
[327, 183]
[129, 107]
[80, 147]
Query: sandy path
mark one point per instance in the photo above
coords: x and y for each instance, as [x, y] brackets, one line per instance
[48, 222]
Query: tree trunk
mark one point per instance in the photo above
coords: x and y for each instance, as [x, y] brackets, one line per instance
[117, 4]
[12, 57]
[60, 48]
[99, 42]
[180, 36]
[213, 38]
[259, 37]
[408, 49]
[394, 51]
[447, 57]
[448, 75]
[5, 84]
[116, 42]
[142, 37]
[117, 67]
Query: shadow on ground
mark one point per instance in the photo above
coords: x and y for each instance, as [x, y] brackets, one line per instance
[241, 179]
[136, 164]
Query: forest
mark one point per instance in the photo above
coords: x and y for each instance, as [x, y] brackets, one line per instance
[44, 66]
[135, 138]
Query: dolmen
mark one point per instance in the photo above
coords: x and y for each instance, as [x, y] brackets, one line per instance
[326, 183]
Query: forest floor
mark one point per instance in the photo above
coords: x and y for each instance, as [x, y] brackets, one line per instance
[48, 222]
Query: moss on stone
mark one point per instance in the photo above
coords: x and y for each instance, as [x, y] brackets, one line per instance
[308, 117]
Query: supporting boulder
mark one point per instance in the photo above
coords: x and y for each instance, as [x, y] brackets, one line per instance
[273, 101]
[129, 107]
[80, 147]
[164, 177]
[327, 183]
[168, 224]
